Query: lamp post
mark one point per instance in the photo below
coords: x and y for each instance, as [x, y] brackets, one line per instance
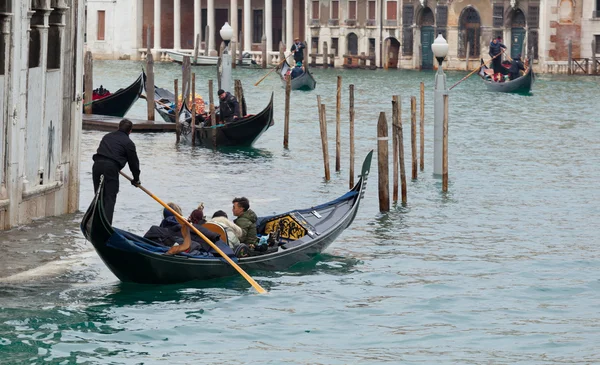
[440, 51]
[226, 33]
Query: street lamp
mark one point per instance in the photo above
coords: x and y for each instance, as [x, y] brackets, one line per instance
[226, 33]
[440, 51]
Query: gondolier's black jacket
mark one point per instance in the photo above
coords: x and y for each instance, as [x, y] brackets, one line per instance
[229, 107]
[118, 147]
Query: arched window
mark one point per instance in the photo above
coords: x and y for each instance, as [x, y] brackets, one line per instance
[427, 18]
[565, 11]
[352, 40]
[518, 19]
[469, 33]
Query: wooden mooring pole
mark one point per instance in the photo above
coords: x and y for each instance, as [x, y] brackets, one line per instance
[177, 123]
[88, 82]
[196, 48]
[570, 57]
[594, 64]
[383, 163]
[413, 135]
[351, 103]
[264, 51]
[193, 124]
[193, 91]
[286, 126]
[324, 144]
[338, 127]
[395, 161]
[213, 117]
[422, 128]
[400, 135]
[149, 79]
[445, 147]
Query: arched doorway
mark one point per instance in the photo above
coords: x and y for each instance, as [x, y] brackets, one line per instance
[517, 33]
[352, 41]
[427, 36]
[469, 33]
[393, 49]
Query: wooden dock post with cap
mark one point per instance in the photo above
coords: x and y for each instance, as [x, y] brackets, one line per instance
[88, 83]
[264, 51]
[383, 163]
[324, 144]
[351, 111]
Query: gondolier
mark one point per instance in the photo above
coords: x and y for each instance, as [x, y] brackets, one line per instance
[229, 108]
[298, 50]
[496, 47]
[115, 150]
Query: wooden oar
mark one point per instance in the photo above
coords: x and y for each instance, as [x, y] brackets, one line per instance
[252, 282]
[475, 70]
[274, 68]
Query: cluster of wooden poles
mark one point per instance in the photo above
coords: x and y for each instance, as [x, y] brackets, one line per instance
[399, 173]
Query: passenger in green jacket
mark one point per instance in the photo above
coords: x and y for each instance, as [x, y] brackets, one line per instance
[246, 220]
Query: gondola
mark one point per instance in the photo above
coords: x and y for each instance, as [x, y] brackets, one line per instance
[242, 132]
[164, 104]
[301, 234]
[305, 81]
[118, 104]
[521, 84]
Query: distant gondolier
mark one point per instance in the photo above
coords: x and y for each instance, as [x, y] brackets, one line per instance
[115, 150]
[496, 47]
[298, 50]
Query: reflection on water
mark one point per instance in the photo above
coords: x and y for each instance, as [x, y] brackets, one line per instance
[508, 256]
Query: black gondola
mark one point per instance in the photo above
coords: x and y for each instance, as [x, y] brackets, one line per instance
[302, 234]
[306, 81]
[521, 84]
[119, 103]
[242, 132]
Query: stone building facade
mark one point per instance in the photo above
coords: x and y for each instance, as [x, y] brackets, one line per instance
[398, 33]
[40, 99]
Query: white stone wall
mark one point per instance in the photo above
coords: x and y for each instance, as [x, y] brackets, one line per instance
[122, 28]
[40, 173]
[590, 26]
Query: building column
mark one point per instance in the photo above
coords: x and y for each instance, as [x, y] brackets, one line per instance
[177, 24]
[269, 25]
[233, 16]
[197, 22]
[289, 23]
[211, 26]
[247, 26]
[156, 46]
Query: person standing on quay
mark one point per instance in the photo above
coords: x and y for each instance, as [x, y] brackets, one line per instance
[115, 150]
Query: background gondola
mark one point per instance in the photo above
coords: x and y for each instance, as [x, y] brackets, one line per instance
[118, 104]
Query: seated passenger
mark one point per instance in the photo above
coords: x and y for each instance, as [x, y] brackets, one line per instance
[246, 220]
[297, 71]
[168, 217]
[197, 216]
[234, 232]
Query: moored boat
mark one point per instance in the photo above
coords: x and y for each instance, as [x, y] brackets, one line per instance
[204, 60]
[299, 235]
[117, 104]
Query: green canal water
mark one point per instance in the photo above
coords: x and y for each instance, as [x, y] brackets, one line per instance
[503, 269]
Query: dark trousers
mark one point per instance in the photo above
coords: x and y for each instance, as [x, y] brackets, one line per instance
[497, 65]
[110, 170]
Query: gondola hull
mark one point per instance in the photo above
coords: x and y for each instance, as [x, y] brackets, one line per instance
[521, 85]
[239, 133]
[122, 253]
[119, 103]
[305, 81]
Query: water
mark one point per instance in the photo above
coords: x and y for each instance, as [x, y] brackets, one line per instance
[503, 269]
